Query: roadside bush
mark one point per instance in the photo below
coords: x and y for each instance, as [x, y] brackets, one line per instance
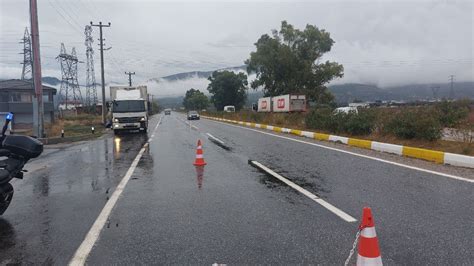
[255, 117]
[414, 124]
[319, 118]
[452, 113]
[361, 123]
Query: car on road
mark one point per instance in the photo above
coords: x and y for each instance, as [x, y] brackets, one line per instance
[167, 111]
[229, 108]
[193, 115]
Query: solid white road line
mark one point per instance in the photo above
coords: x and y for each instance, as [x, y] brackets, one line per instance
[216, 139]
[344, 216]
[81, 254]
[355, 154]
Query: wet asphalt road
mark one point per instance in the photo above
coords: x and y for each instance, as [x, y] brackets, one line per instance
[173, 213]
[60, 197]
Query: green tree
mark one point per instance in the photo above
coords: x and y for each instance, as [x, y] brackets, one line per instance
[195, 100]
[288, 62]
[228, 88]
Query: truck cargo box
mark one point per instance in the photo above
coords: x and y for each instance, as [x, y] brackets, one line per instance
[128, 93]
[289, 103]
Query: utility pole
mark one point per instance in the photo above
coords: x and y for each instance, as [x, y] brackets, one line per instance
[130, 78]
[101, 44]
[38, 108]
[451, 92]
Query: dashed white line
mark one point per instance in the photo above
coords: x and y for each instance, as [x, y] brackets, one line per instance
[189, 124]
[356, 154]
[346, 217]
[81, 254]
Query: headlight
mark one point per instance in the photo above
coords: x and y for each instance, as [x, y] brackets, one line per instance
[142, 119]
[115, 120]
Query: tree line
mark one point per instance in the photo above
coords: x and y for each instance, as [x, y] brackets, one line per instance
[287, 61]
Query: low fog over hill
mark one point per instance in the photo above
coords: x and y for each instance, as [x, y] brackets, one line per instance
[173, 87]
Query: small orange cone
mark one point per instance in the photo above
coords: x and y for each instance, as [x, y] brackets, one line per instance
[369, 252]
[199, 156]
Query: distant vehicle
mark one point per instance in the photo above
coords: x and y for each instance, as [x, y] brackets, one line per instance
[282, 104]
[167, 111]
[229, 108]
[346, 110]
[129, 108]
[193, 115]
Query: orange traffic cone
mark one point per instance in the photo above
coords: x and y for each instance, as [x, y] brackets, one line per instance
[199, 156]
[369, 252]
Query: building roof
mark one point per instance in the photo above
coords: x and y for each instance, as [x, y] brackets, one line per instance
[11, 84]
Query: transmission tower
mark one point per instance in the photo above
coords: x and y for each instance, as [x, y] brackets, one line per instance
[91, 90]
[27, 57]
[451, 91]
[69, 92]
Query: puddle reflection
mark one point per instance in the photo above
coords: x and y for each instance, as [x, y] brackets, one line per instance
[7, 235]
[199, 176]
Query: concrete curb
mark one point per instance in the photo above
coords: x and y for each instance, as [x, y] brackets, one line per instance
[424, 154]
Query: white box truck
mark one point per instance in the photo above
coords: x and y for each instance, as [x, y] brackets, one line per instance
[289, 103]
[264, 104]
[129, 108]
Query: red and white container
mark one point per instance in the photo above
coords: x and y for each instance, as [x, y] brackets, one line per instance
[289, 103]
[265, 104]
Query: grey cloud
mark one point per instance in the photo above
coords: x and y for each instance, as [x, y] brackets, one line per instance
[380, 42]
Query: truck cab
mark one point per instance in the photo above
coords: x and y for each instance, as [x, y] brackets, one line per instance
[129, 108]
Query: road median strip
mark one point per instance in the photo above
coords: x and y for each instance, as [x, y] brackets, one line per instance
[412, 152]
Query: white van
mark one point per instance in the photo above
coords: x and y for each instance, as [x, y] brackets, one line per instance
[346, 110]
[229, 109]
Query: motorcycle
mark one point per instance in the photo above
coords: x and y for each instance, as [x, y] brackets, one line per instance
[18, 150]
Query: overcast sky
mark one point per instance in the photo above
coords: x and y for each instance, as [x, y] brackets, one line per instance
[378, 42]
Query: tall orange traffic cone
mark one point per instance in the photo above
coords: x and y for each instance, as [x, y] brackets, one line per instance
[199, 156]
[369, 252]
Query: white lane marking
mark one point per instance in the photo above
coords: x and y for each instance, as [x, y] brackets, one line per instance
[344, 216]
[216, 139]
[81, 254]
[357, 154]
[189, 124]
